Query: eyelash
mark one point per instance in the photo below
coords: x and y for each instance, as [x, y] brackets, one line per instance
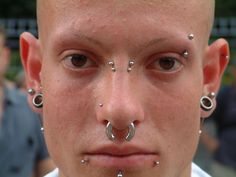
[87, 63]
[176, 58]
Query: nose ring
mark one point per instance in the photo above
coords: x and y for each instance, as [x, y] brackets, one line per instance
[112, 137]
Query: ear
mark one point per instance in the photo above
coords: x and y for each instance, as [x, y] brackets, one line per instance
[31, 60]
[214, 63]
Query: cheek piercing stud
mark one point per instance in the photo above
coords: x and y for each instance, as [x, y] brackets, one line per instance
[120, 173]
[131, 63]
[185, 54]
[112, 64]
[191, 36]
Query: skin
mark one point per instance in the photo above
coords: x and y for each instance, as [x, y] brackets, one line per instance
[163, 104]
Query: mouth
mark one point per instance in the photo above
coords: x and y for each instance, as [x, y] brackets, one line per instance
[122, 158]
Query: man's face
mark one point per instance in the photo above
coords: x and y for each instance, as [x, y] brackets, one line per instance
[160, 95]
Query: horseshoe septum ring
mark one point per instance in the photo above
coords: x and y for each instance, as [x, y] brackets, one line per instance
[112, 137]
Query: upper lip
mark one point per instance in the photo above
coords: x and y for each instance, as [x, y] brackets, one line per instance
[112, 150]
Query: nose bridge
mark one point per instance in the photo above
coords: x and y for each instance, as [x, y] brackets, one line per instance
[122, 105]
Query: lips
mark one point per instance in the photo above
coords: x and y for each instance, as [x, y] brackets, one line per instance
[121, 157]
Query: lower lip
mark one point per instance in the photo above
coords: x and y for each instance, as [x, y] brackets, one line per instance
[122, 162]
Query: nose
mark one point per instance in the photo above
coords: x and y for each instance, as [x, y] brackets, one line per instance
[122, 105]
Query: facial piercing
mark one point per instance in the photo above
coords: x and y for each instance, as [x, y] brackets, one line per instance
[112, 66]
[31, 91]
[156, 163]
[206, 103]
[185, 54]
[111, 136]
[191, 36]
[131, 63]
[120, 173]
[100, 105]
[38, 100]
[84, 161]
[42, 129]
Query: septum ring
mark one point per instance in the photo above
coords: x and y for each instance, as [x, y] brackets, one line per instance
[112, 137]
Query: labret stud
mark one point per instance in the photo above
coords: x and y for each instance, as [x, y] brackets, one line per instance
[84, 161]
[120, 173]
[112, 64]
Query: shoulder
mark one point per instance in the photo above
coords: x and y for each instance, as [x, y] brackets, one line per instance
[198, 172]
[54, 173]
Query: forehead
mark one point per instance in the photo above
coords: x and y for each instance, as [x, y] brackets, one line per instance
[54, 15]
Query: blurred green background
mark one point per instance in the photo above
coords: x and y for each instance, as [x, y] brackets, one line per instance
[25, 9]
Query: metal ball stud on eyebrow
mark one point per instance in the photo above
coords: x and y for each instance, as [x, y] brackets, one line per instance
[185, 54]
[131, 63]
[112, 64]
[191, 36]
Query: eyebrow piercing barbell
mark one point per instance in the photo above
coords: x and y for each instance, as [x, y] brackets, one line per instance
[185, 54]
[131, 63]
[191, 36]
[112, 64]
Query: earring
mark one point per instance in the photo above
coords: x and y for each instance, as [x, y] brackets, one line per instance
[31, 91]
[112, 64]
[131, 63]
[201, 125]
[38, 100]
[206, 103]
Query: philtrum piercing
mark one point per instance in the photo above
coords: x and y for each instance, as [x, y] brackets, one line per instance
[185, 54]
[131, 63]
[112, 66]
[191, 36]
[120, 173]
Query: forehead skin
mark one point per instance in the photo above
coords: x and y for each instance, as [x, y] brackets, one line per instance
[194, 15]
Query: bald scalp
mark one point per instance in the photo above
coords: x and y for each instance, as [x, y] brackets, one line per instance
[201, 10]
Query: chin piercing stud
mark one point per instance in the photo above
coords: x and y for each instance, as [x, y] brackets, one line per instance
[131, 63]
[112, 64]
[31, 91]
[120, 173]
[185, 54]
[191, 36]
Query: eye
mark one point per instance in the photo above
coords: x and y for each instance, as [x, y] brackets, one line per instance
[78, 61]
[166, 64]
